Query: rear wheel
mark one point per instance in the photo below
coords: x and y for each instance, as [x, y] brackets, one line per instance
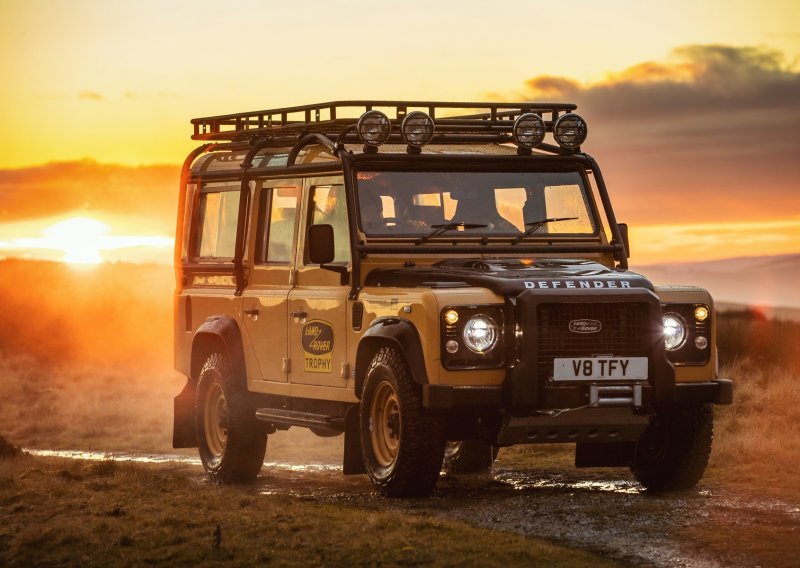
[232, 442]
[469, 456]
[673, 452]
[403, 445]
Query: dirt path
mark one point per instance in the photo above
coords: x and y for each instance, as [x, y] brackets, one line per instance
[604, 514]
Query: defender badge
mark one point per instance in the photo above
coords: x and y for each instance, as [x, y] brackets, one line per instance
[585, 326]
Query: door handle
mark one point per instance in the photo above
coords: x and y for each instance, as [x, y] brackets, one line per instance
[253, 312]
[300, 315]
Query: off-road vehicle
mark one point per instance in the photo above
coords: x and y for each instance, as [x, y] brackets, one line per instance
[434, 281]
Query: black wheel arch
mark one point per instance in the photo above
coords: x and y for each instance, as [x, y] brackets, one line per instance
[218, 333]
[399, 333]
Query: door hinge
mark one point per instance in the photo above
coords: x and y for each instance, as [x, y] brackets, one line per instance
[344, 372]
[286, 365]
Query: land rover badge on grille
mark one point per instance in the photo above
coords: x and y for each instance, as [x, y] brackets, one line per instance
[585, 326]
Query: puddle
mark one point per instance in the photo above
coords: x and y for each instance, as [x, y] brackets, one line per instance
[523, 482]
[116, 456]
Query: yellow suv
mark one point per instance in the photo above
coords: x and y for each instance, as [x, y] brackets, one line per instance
[434, 281]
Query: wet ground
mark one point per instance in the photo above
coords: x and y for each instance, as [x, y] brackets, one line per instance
[585, 509]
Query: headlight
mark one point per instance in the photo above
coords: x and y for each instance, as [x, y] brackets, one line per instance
[674, 331]
[480, 334]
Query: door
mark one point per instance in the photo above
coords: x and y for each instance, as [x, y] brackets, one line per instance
[265, 300]
[318, 303]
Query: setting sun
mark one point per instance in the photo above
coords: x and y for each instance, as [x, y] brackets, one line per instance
[80, 238]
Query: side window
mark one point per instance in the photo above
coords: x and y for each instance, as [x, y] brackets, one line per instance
[329, 207]
[218, 215]
[279, 217]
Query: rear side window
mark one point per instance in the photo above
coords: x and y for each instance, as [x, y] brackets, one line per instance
[217, 217]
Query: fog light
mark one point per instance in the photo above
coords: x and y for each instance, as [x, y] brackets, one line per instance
[451, 316]
[570, 131]
[528, 130]
[700, 313]
[374, 128]
[417, 129]
[700, 342]
[451, 346]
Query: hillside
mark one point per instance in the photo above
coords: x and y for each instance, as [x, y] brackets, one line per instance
[759, 281]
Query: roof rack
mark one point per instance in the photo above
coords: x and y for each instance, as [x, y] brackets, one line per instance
[492, 121]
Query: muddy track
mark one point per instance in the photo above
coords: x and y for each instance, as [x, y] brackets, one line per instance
[613, 516]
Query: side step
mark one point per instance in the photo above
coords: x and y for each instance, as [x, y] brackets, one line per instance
[282, 417]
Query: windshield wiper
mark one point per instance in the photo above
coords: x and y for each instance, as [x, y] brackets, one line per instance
[533, 225]
[439, 229]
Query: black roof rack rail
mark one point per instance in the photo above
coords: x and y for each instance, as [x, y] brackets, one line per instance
[332, 118]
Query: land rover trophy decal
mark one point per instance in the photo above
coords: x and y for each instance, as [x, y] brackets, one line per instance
[585, 326]
[317, 339]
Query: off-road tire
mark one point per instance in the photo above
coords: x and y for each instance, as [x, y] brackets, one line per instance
[673, 452]
[469, 456]
[237, 455]
[403, 447]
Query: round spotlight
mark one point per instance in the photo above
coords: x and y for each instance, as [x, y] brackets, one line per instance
[451, 316]
[570, 131]
[374, 128]
[528, 130]
[451, 346]
[701, 313]
[674, 332]
[417, 129]
[480, 334]
[700, 342]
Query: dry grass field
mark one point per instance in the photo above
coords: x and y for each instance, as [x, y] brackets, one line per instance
[85, 364]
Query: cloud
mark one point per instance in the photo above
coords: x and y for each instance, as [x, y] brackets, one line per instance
[709, 133]
[90, 96]
[52, 189]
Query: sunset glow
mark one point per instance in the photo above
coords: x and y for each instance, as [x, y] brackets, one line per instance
[86, 241]
[80, 238]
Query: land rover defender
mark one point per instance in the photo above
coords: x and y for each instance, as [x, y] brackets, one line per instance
[434, 281]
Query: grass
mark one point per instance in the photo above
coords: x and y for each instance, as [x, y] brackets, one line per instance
[114, 514]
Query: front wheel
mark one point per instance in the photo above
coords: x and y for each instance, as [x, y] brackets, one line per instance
[231, 440]
[403, 445]
[673, 452]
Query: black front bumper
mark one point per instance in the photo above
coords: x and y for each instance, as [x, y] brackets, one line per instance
[443, 397]
[719, 391]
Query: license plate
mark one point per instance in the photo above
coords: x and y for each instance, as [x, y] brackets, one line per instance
[604, 368]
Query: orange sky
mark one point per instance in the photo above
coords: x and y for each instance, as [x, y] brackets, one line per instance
[692, 106]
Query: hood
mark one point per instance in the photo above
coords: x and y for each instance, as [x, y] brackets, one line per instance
[510, 276]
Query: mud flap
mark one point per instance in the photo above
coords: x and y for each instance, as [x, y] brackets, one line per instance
[184, 432]
[353, 456]
[613, 454]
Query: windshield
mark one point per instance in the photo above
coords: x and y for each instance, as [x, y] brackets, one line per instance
[474, 203]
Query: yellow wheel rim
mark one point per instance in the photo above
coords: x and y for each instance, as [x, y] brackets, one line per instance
[216, 421]
[385, 424]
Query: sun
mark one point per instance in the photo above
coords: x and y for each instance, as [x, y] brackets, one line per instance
[80, 238]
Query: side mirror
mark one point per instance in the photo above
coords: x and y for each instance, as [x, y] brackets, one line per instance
[320, 244]
[322, 252]
[623, 231]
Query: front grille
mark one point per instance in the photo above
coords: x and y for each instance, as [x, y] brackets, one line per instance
[625, 332]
